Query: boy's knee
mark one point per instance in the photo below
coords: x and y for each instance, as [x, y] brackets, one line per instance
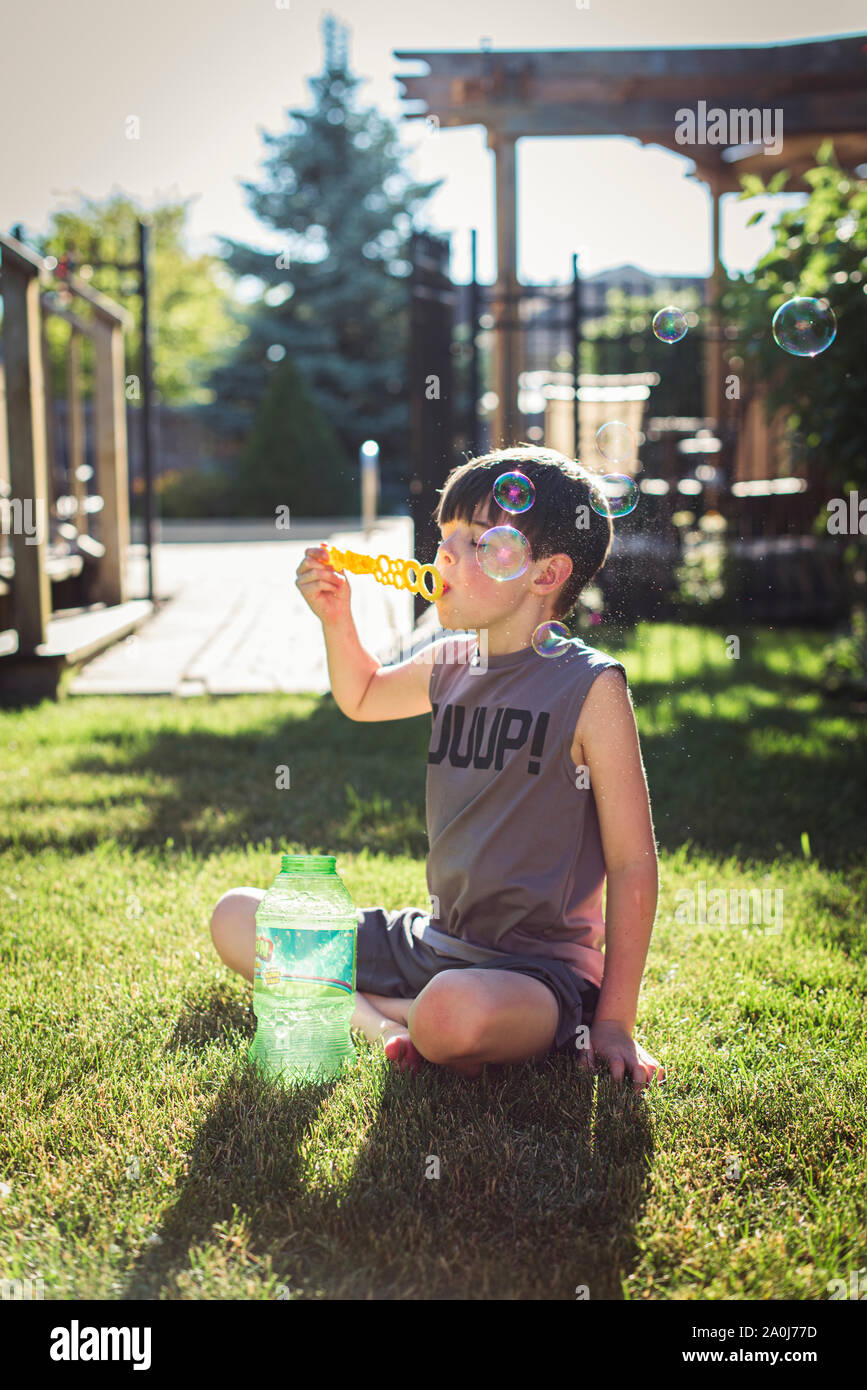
[233, 928]
[447, 1018]
[224, 912]
[233, 913]
[238, 903]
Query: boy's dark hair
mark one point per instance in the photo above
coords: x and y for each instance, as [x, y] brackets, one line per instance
[562, 486]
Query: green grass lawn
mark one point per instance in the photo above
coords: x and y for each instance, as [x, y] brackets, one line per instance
[142, 1158]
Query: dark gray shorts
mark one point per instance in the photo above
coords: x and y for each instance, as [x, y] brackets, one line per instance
[393, 962]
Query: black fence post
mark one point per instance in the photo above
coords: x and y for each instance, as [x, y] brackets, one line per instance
[475, 314]
[576, 350]
[432, 298]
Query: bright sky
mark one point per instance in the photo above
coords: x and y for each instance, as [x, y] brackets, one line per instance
[206, 78]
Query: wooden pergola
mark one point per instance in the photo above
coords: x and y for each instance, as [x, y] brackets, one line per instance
[819, 87]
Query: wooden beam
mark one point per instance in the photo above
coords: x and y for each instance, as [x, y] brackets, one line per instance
[50, 307]
[105, 309]
[799, 155]
[820, 113]
[807, 61]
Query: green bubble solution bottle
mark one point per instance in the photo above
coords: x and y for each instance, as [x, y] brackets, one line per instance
[304, 972]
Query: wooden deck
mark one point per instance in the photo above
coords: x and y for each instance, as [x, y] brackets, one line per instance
[236, 624]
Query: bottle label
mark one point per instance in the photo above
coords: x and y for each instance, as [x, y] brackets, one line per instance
[325, 956]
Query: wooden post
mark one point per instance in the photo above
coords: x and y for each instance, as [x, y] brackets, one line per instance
[506, 310]
[52, 459]
[713, 288]
[106, 329]
[112, 468]
[75, 426]
[5, 489]
[25, 397]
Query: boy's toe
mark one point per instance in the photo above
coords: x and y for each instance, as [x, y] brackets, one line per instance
[404, 1054]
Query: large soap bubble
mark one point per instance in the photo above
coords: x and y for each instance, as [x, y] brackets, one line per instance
[804, 327]
[514, 492]
[670, 324]
[615, 441]
[551, 639]
[621, 494]
[503, 552]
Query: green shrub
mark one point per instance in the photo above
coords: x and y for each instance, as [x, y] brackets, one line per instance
[845, 659]
[200, 492]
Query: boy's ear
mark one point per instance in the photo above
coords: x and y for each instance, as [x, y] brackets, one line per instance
[554, 570]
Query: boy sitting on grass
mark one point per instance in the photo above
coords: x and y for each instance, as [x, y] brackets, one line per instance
[535, 792]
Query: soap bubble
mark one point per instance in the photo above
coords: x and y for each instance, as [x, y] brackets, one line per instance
[551, 639]
[615, 441]
[670, 324]
[804, 327]
[514, 492]
[503, 552]
[620, 492]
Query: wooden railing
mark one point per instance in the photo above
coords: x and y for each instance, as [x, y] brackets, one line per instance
[26, 427]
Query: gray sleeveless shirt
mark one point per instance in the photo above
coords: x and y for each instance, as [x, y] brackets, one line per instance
[515, 861]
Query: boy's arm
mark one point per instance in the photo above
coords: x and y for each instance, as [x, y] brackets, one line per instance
[364, 689]
[606, 743]
[350, 667]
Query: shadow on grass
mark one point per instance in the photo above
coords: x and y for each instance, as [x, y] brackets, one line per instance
[354, 786]
[713, 785]
[728, 772]
[536, 1197]
[745, 782]
[748, 777]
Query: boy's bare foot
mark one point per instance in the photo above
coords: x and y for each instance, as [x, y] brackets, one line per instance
[401, 1051]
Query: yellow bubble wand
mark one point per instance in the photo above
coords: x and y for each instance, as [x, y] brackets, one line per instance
[402, 574]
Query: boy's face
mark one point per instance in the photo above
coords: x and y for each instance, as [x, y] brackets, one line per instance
[470, 598]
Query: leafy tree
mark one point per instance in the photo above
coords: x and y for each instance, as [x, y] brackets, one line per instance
[192, 320]
[336, 298]
[820, 251]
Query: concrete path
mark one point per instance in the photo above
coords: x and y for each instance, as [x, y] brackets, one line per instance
[235, 623]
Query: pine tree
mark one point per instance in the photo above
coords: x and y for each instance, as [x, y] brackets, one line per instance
[337, 298]
[293, 457]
